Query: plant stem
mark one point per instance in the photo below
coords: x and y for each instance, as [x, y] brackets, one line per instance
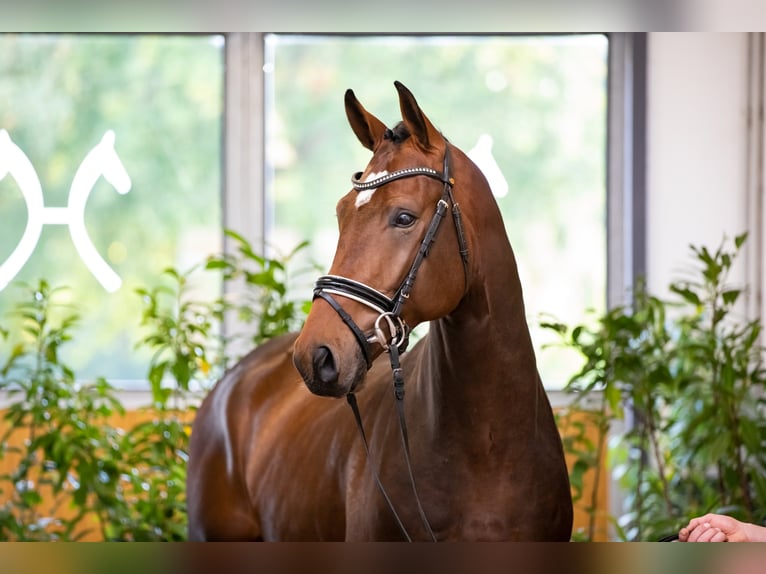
[659, 459]
[603, 428]
[640, 476]
[744, 483]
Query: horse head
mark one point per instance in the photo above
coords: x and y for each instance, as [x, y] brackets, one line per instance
[395, 266]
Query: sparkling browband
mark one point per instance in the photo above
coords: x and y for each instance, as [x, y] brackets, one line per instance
[401, 173]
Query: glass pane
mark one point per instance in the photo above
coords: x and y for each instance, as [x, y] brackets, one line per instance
[157, 103]
[533, 106]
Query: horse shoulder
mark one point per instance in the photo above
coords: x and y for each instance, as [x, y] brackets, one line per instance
[218, 499]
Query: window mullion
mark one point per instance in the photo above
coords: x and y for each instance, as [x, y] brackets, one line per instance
[243, 140]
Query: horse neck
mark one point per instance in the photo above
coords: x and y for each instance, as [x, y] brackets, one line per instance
[481, 354]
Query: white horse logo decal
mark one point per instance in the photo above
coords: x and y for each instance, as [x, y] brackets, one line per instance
[101, 160]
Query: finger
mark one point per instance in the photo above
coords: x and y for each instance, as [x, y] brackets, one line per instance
[698, 532]
[709, 534]
[708, 519]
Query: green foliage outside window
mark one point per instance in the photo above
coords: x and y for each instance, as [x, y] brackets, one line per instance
[59, 94]
[542, 100]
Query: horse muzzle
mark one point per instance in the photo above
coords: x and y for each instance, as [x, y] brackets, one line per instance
[331, 365]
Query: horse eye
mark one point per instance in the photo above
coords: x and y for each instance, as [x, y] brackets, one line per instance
[404, 219]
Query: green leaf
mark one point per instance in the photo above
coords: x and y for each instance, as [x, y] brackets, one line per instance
[687, 294]
[30, 498]
[730, 297]
[218, 264]
[613, 397]
[234, 235]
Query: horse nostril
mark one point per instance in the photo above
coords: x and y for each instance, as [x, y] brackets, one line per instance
[324, 366]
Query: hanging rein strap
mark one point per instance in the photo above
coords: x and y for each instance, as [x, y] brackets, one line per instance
[399, 394]
[390, 309]
[351, 398]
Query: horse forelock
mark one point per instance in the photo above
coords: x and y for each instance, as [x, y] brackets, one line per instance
[397, 134]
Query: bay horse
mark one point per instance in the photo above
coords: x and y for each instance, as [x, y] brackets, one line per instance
[479, 457]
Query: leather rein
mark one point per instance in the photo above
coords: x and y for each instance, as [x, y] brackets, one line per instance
[389, 310]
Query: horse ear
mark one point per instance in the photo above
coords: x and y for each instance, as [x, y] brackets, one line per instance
[416, 121]
[368, 129]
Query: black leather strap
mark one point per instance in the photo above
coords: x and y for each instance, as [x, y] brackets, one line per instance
[351, 398]
[396, 369]
[345, 286]
[425, 246]
[360, 338]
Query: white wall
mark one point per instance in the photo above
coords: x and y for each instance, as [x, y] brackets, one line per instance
[698, 183]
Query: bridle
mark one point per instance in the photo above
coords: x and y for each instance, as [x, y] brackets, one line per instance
[389, 309]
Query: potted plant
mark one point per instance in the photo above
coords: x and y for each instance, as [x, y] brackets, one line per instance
[675, 392]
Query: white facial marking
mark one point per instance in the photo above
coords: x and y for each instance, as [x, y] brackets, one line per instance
[365, 196]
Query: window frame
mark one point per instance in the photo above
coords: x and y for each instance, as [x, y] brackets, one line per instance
[245, 184]
[626, 165]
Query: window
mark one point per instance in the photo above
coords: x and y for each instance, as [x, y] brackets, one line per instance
[532, 108]
[248, 131]
[161, 99]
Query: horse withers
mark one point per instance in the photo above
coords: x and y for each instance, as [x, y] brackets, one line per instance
[421, 240]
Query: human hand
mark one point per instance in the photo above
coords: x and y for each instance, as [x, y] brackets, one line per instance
[714, 528]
